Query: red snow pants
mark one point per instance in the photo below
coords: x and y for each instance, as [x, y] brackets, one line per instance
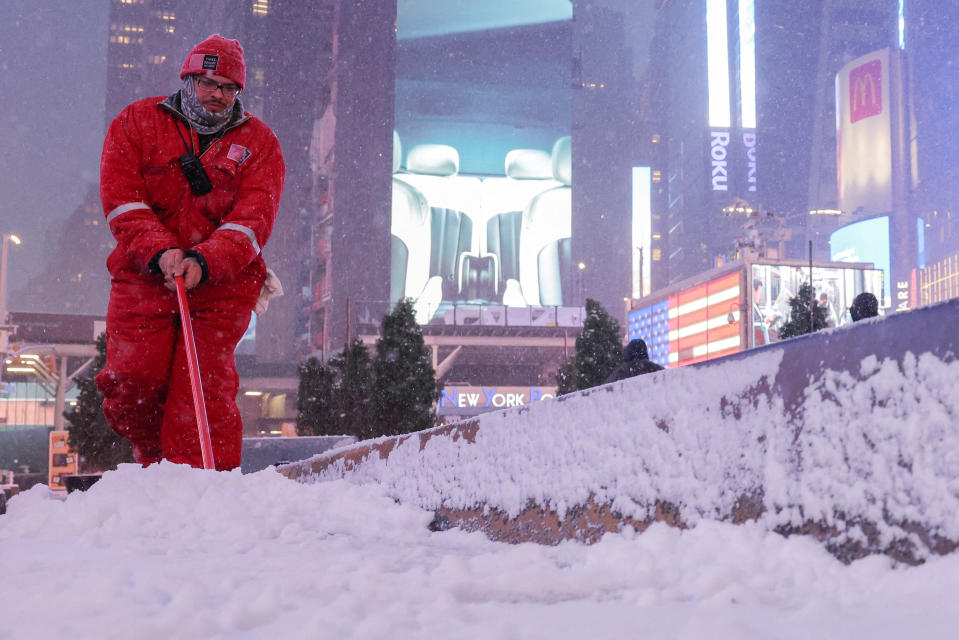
[146, 381]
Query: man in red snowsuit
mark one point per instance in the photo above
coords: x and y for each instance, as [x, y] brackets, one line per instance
[190, 186]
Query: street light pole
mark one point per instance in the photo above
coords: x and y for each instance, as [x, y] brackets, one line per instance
[812, 297]
[7, 237]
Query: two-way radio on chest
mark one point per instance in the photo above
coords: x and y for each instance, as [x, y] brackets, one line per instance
[191, 166]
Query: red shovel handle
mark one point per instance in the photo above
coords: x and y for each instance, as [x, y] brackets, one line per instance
[203, 425]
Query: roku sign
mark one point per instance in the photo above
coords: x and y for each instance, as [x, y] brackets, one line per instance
[749, 142]
[718, 151]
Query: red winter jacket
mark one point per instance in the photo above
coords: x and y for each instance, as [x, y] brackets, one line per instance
[150, 207]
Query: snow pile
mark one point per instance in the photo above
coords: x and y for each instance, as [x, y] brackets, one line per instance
[607, 442]
[170, 551]
[876, 451]
[882, 446]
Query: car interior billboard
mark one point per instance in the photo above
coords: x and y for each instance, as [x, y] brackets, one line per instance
[481, 205]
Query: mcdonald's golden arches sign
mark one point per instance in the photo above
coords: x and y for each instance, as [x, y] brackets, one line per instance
[865, 91]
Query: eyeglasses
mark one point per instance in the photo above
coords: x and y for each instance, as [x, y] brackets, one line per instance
[209, 86]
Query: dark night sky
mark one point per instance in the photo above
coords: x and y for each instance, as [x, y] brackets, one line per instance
[52, 85]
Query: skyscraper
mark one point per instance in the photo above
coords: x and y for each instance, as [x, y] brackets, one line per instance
[619, 151]
[347, 221]
[711, 129]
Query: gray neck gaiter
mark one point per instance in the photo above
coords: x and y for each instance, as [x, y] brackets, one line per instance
[203, 121]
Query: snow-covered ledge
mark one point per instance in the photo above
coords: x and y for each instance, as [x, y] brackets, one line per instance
[850, 435]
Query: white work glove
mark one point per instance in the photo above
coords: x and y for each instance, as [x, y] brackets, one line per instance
[271, 289]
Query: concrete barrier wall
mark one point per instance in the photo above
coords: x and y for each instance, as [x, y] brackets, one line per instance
[850, 435]
[260, 453]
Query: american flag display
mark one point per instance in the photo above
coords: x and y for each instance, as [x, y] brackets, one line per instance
[693, 325]
[652, 325]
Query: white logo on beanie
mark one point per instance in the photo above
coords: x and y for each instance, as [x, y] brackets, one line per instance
[210, 61]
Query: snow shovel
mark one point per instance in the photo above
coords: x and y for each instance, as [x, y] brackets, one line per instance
[202, 424]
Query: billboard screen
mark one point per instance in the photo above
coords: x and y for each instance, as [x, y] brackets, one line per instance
[717, 60]
[469, 400]
[744, 308]
[772, 286]
[865, 241]
[692, 325]
[482, 204]
[642, 228]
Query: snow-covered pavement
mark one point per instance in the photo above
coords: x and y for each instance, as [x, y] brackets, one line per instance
[173, 552]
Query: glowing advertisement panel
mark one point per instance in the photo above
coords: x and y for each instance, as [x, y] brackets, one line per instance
[482, 205]
[834, 288]
[717, 56]
[865, 241]
[692, 325]
[642, 230]
[747, 63]
[864, 136]
[651, 323]
[469, 400]
[901, 23]
[706, 321]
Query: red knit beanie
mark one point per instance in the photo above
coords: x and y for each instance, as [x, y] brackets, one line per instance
[220, 55]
